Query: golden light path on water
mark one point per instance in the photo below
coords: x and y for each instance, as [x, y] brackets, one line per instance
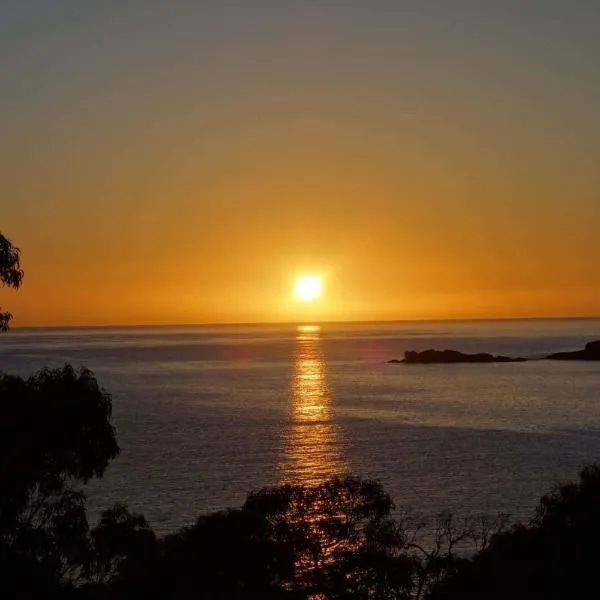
[312, 445]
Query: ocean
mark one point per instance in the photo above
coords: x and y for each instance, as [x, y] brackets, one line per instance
[206, 413]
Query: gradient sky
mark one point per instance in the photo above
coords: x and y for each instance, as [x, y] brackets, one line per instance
[181, 161]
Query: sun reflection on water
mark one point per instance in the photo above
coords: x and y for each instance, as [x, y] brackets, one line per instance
[312, 441]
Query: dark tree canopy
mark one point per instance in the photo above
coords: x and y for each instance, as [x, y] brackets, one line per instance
[120, 545]
[555, 556]
[55, 434]
[11, 273]
[333, 540]
[343, 538]
[336, 540]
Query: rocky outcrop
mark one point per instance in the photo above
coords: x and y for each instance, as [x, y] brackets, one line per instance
[452, 357]
[590, 352]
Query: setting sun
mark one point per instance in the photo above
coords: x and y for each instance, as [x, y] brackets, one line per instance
[308, 288]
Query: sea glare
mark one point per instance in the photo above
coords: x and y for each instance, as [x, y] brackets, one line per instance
[205, 414]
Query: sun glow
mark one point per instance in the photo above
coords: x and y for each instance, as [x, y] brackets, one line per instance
[308, 288]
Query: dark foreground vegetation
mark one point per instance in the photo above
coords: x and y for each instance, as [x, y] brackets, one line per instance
[338, 540]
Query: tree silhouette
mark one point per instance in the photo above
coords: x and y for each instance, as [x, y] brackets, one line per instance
[555, 556]
[55, 434]
[11, 274]
[231, 554]
[342, 537]
[121, 545]
[334, 540]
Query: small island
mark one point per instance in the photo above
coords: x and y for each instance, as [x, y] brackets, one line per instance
[590, 352]
[452, 357]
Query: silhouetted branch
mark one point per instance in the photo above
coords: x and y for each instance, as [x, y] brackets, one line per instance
[11, 274]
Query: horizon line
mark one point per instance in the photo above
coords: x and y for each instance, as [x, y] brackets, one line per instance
[296, 323]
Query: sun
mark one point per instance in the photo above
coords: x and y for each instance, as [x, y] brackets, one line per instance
[308, 288]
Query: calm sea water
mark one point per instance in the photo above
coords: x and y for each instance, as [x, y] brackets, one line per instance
[205, 414]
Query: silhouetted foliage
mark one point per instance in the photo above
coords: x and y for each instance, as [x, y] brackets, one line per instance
[335, 540]
[342, 537]
[11, 273]
[232, 554]
[554, 557]
[55, 433]
[121, 546]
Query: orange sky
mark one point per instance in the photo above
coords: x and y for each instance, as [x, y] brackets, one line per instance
[166, 164]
